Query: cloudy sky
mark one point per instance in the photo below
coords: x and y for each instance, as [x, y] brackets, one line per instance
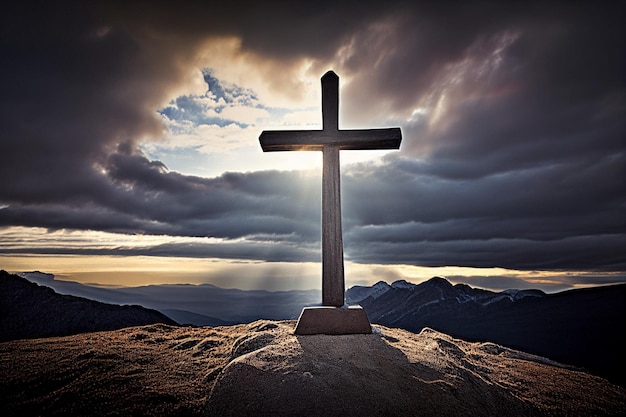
[129, 148]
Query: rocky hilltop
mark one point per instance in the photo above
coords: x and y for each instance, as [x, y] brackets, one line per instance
[263, 369]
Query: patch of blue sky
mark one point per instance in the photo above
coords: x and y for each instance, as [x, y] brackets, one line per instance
[222, 105]
[196, 115]
[198, 111]
[218, 131]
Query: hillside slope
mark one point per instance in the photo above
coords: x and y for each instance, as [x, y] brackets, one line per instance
[263, 369]
[28, 310]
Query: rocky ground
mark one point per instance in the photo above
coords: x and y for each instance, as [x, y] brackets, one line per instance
[263, 369]
[149, 370]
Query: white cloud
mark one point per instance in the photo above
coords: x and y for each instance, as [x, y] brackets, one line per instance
[192, 83]
[303, 118]
[214, 138]
[244, 114]
[276, 83]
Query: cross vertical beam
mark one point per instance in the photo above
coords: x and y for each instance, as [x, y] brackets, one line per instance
[333, 283]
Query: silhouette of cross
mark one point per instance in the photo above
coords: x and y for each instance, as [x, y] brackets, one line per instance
[330, 140]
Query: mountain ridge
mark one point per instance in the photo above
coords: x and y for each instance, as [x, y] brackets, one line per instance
[357, 294]
[29, 311]
[582, 327]
[194, 303]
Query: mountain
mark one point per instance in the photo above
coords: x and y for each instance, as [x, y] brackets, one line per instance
[188, 318]
[199, 305]
[435, 289]
[28, 310]
[263, 369]
[583, 327]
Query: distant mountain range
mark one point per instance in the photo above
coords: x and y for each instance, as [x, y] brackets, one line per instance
[200, 305]
[28, 310]
[583, 327]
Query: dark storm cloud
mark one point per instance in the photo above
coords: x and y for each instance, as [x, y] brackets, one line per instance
[546, 283]
[249, 250]
[602, 253]
[554, 52]
[500, 283]
[145, 198]
[549, 217]
[513, 122]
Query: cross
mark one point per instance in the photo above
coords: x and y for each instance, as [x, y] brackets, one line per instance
[330, 140]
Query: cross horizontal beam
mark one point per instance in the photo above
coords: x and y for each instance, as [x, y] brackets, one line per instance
[316, 140]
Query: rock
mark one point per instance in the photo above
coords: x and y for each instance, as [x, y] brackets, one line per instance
[395, 372]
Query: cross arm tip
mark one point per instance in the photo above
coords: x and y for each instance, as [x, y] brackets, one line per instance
[290, 140]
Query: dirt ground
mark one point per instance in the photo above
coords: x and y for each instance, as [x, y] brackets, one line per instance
[148, 370]
[263, 369]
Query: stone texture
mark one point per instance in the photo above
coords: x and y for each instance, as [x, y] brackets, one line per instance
[392, 372]
[333, 321]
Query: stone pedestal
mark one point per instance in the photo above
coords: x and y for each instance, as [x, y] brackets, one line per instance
[333, 320]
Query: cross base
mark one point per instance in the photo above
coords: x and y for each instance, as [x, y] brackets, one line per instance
[333, 321]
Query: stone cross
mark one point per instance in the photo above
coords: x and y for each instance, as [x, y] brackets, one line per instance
[330, 140]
